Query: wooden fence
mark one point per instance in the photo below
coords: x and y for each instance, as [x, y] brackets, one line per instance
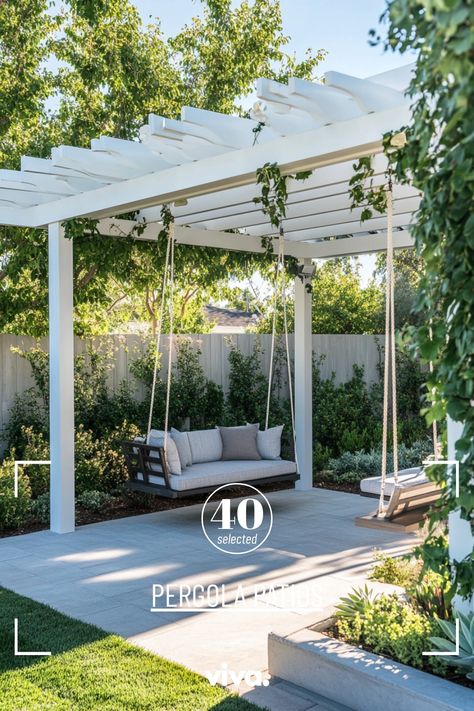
[339, 354]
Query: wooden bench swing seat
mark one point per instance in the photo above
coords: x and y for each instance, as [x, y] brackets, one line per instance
[149, 473]
[406, 509]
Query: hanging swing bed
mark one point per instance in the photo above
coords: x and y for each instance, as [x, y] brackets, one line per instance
[404, 496]
[182, 464]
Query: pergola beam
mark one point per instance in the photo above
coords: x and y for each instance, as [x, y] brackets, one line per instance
[324, 249]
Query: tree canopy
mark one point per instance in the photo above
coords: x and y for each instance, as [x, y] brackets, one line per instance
[93, 68]
[340, 303]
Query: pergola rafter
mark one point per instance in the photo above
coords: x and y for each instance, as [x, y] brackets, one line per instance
[210, 159]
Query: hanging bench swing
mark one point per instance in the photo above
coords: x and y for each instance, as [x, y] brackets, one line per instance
[404, 496]
[149, 458]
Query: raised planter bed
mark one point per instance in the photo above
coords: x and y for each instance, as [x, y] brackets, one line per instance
[358, 679]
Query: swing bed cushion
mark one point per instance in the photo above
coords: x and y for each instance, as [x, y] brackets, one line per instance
[149, 470]
[371, 485]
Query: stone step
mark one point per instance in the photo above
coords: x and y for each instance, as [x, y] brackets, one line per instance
[281, 695]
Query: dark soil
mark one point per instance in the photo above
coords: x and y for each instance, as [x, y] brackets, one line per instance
[348, 488]
[133, 504]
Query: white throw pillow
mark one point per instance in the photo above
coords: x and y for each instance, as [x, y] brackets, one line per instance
[206, 445]
[157, 438]
[141, 440]
[182, 444]
[269, 442]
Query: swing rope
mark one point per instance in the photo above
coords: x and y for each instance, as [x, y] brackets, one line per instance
[168, 279]
[390, 357]
[280, 291]
[390, 362]
[170, 345]
[276, 287]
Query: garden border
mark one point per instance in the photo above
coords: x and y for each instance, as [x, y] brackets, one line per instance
[358, 679]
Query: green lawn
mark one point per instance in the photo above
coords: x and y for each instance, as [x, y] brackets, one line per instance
[91, 669]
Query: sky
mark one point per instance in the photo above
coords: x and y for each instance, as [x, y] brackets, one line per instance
[341, 27]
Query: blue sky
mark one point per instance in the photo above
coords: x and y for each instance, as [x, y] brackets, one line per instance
[340, 26]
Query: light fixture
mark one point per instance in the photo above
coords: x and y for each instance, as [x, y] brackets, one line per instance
[180, 202]
[306, 272]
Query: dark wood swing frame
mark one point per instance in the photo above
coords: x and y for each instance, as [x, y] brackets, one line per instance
[141, 458]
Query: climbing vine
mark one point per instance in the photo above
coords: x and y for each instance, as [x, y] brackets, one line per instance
[362, 191]
[167, 218]
[438, 158]
[273, 196]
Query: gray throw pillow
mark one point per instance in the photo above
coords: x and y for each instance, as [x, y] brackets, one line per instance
[239, 443]
[269, 441]
[182, 444]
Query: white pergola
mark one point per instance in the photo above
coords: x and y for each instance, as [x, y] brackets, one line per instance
[204, 166]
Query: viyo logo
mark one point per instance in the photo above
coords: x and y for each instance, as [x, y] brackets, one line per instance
[225, 676]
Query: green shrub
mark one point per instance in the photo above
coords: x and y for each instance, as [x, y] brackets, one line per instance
[394, 628]
[89, 461]
[433, 593]
[395, 571]
[13, 510]
[95, 408]
[192, 395]
[29, 410]
[429, 591]
[213, 404]
[40, 508]
[99, 463]
[364, 464]
[347, 417]
[94, 500]
[113, 470]
[36, 447]
[248, 386]
[321, 457]
[343, 414]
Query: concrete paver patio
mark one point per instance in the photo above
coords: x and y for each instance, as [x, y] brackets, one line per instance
[103, 574]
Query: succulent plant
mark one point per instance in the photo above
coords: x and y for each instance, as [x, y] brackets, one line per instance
[356, 602]
[465, 659]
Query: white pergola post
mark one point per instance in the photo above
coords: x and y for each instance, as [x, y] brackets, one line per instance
[303, 384]
[61, 379]
[460, 537]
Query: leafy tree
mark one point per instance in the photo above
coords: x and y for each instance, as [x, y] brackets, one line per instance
[408, 269]
[26, 30]
[93, 69]
[221, 55]
[340, 303]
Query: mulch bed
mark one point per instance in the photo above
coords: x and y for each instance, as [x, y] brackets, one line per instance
[133, 505]
[347, 488]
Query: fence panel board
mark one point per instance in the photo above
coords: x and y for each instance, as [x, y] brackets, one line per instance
[338, 352]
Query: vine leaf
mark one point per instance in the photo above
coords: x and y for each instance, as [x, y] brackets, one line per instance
[273, 196]
[362, 191]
